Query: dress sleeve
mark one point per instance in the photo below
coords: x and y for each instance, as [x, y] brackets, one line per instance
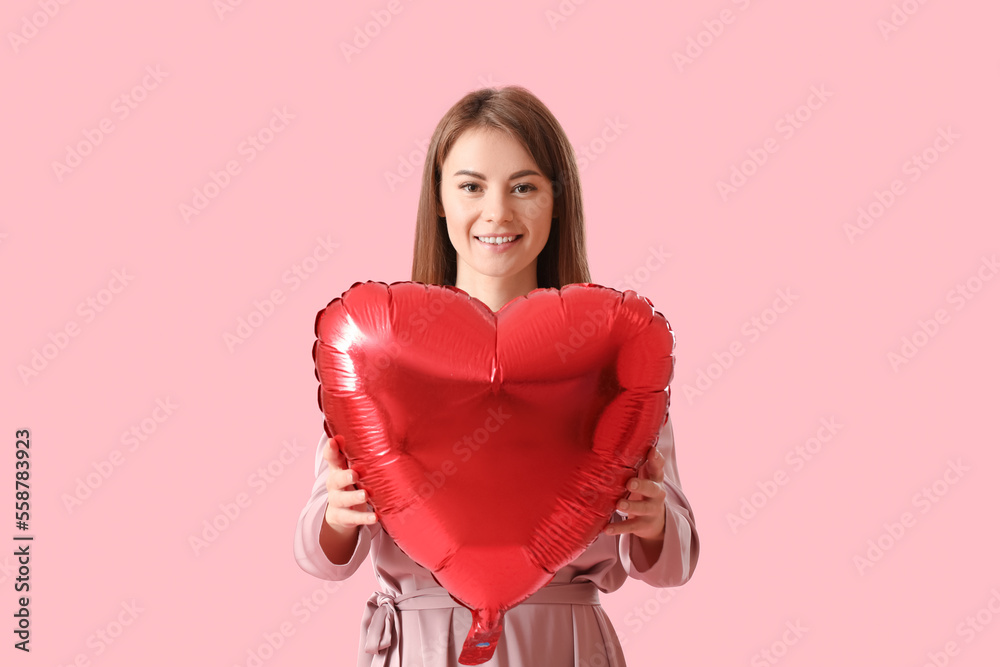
[308, 552]
[679, 555]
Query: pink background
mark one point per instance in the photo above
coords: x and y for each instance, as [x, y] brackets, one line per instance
[650, 184]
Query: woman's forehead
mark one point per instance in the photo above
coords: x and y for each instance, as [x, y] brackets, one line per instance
[488, 149]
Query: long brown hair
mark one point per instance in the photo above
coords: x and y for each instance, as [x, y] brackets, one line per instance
[516, 111]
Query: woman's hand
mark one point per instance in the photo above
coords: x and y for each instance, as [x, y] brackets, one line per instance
[345, 508]
[645, 506]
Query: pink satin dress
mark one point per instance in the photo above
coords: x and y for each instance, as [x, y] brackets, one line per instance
[412, 622]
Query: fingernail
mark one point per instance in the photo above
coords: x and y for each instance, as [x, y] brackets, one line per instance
[633, 485]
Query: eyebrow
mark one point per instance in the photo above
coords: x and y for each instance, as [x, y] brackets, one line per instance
[515, 175]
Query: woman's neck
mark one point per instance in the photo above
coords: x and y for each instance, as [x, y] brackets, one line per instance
[495, 292]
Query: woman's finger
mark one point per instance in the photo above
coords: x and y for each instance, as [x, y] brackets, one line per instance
[640, 507]
[645, 488]
[330, 456]
[336, 446]
[345, 477]
[654, 464]
[348, 498]
[619, 527]
[350, 517]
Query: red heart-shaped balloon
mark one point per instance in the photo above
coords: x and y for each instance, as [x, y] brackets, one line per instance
[493, 446]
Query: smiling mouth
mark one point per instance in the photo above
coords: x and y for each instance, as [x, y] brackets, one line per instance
[498, 240]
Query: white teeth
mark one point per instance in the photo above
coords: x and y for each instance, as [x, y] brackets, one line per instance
[496, 240]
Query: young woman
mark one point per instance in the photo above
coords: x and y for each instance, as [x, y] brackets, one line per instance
[500, 215]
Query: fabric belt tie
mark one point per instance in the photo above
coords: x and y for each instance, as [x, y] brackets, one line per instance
[385, 624]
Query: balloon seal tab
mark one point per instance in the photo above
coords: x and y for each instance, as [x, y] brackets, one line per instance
[481, 642]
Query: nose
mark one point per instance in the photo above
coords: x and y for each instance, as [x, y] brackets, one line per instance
[496, 208]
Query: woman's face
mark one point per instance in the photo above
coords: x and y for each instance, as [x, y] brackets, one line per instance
[491, 187]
